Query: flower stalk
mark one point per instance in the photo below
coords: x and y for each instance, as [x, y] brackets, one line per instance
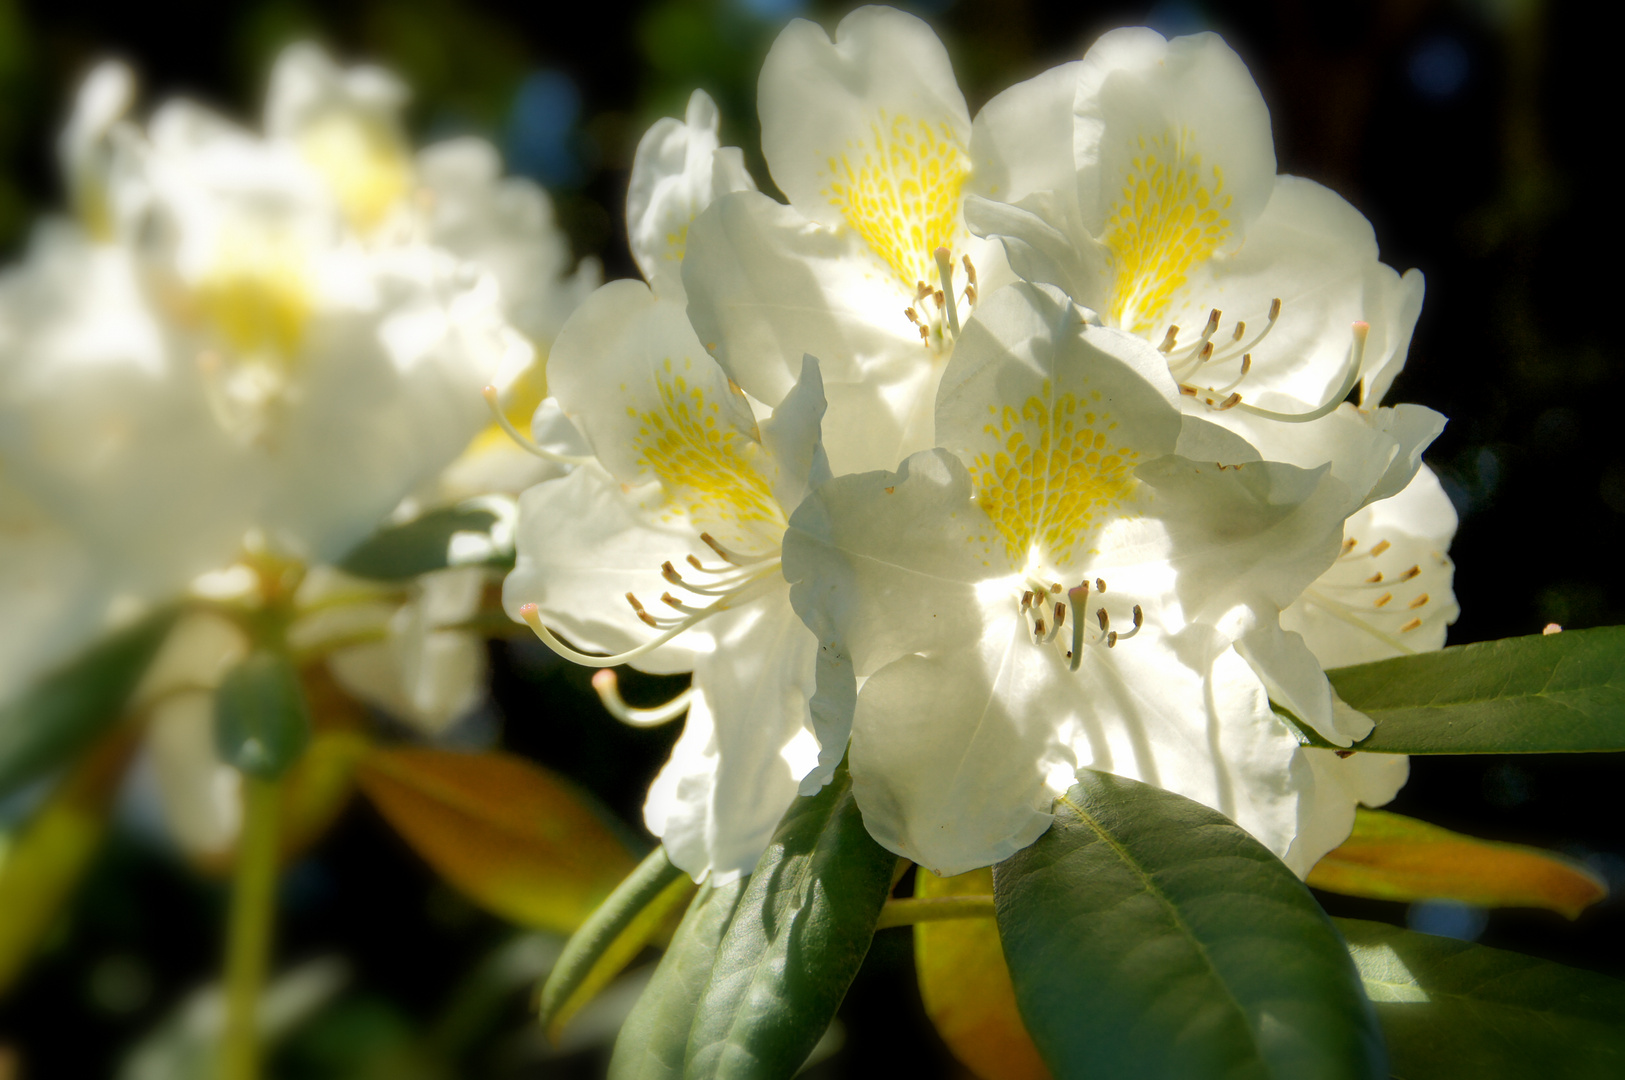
[248, 936]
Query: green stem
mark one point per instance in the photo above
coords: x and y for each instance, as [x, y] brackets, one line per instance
[248, 940]
[934, 909]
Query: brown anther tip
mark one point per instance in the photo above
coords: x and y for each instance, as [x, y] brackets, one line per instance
[1344, 753]
[1229, 403]
[668, 598]
[942, 301]
[925, 335]
[921, 290]
[1168, 339]
[1212, 321]
[1100, 584]
[970, 294]
[1412, 625]
[1246, 363]
[1241, 328]
[1188, 391]
[1102, 618]
[1026, 600]
[1206, 354]
[648, 618]
[1419, 601]
[633, 600]
[1275, 309]
[1111, 639]
[1380, 547]
[1383, 599]
[1350, 544]
[1060, 614]
[669, 572]
[1374, 578]
[1412, 572]
[1039, 628]
[1055, 586]
[1139, 616]
[970, 269]
[695, 563]
[913, 316]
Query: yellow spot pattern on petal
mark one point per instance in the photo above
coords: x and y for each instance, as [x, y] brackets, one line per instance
[902, 195]
[257, 294]
[1172, 214]
[1053, 476]
[707, 466]
[677, 243]
[364, 162]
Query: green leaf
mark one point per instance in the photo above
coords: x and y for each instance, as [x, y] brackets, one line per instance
[67, 710]
[795, 943]
[1150, 936]
[1451, 1009]
[398, 552]
[261, 721]
[654, 1038]
[1546, 693]
[611, 936]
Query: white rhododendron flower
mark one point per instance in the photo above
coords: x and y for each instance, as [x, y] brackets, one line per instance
[1058, 589]
[870, 267]
[1174, 226]
[1390, 591]
[663, 551]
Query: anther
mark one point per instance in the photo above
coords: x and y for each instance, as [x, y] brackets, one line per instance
[1026, 600]
[1100, 584]
[1241, 328]
[1418, 602]
[1206, 354]
[913, 316]
[921, 290]
[1228, 403]
[1168, 340]
[942, 301]
[644, 615]
[1349, 545]
[925, 335]
[1104, 619]
[1139, 617]
[1111, 639]
[1188, 391]
[1384, 598]
[970, 295]
[970, 269]
[1060, 614]
[1374, 578]
[1380, 547]
[1038, 629]
[1212, 323]
[1055, 586]
[1412, 572]
[696, 564]
[1412, 625]
[1275, 309]
[672, 601]
[669, 572]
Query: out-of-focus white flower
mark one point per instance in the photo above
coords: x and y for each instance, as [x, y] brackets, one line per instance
[870, 139]
[1058, 589]
[665, 553]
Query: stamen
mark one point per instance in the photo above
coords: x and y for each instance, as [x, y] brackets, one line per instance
[1100, 584]
[1246, 366]
[1168, 340]
[1055, 586]
[1379, 547]
[1228, 403]
[1351, 376]
[1412, 625]
[1383, 599]
[1060, 614]
[1349, 545]
[669, 572]
[913, 316]
[642, 614]
[1418, 602]
[945, 271]
[1026, 600]
[1412, 572]
[1038, 629]
[1241, 328]
[970, 270]
[1105, 619]
[732, 556]
[1374, 578]
[533, 619]
[609, 692]
[970, 295]
[1111, 639]
[492, 399]
[1188, 391]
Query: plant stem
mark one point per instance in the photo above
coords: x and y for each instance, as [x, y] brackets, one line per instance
[934, 909]
[248, 940]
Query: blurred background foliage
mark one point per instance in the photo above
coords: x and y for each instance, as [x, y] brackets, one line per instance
[1467, 130]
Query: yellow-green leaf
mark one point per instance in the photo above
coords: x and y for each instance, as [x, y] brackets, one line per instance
[966, 985]
[43, 865]
[1390, 857]
[516, 839]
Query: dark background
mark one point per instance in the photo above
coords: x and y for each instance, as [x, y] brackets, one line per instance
[1470, 134]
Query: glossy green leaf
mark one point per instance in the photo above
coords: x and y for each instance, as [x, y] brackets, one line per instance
[611, 936]
[1546, 693]
[654, 1039]
[398, 552]
[67, 710]
[795, 943]
[261, 721]
[1450, 1009]
[1150, 936]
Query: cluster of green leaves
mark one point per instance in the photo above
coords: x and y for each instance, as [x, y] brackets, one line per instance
[1147, 935]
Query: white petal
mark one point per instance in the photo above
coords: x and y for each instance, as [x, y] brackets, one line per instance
[654, 406]
[766, 287]
[1021, 141]
[791, 435]
[583, 544]
[1162, 129]
[1333, 787]
[882, 564]
[1396, 302]
[734, 771]
[953, 753]
[1293, 676]
[199, 793]
[679, 168]
[869, 132]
